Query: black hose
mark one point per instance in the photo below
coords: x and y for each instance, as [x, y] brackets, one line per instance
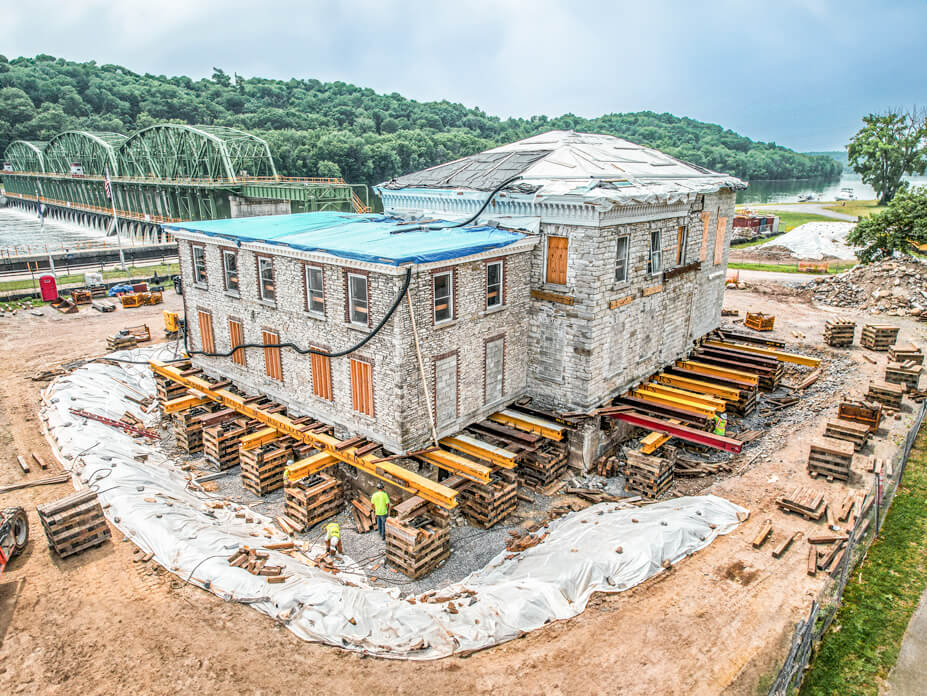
[482, 207]
[311, 351]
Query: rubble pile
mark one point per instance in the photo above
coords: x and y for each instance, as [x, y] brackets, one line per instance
[894, 288]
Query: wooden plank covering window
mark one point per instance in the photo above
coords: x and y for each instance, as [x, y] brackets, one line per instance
[362, 387]
[720, 233]
[321, 376]
[557, 260]
[237, 337]
[207, 338]
[706, 221]
[681, 235]
[273, 365]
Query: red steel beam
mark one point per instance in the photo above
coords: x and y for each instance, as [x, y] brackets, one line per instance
[699, 437]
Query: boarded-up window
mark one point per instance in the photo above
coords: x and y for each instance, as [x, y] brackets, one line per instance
[719, 239]
[682, 235]
[237, 338]
[446, 389]
[495, 359]
[272, 358]
[362, 387]
[706, 221]
[321, 376]
[207, 338]
[557, 260]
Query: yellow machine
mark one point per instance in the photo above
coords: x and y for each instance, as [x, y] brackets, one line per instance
[171, 324]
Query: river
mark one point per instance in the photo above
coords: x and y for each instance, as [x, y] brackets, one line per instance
[788, 190]
[23, 233]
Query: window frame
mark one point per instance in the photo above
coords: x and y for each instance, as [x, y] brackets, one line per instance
[359, 402]
[270, 352]
[500, 294]
[486, 342]
[320, 367]
[238, 355]
[207, 339]
[624, 262]
[657, 252]
[307, 270]
[449, 299]
[547, 278]
[351, 299]
[225, 271]
[682, 241]
[200, 279]
[259, 259]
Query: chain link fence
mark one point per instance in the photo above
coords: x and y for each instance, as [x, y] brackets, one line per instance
[811, 629]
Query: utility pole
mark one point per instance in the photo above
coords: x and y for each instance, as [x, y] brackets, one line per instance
[38, 198]
[112, 197]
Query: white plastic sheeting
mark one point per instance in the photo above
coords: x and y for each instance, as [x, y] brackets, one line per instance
[147, 497]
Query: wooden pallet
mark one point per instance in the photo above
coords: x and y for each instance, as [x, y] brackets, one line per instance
[313, 499]
[418, 539]
[487, 504]
[902, 373]
[885, 393]
[759, 321]
[839, 332]
[906, 353]
[878, 336]
[262, 467]
[830, 458]
[74, 523]
[121, 342]
[649, 475]
[805, 502]
[868, 413]
[851, 431]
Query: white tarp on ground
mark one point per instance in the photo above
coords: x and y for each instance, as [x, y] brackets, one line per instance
[815, 240]
[147, 497]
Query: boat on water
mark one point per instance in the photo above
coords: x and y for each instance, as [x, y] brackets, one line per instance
[805, 197]
[846, 194]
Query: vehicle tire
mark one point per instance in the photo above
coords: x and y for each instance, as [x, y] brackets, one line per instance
[14, 519]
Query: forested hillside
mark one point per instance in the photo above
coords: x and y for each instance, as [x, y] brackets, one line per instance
[336, 129]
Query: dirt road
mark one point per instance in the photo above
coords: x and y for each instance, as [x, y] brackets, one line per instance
[100, 624]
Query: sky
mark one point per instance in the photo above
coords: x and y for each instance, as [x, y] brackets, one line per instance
[800, 73]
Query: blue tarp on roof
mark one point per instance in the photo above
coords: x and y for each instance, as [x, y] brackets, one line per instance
[374, 238]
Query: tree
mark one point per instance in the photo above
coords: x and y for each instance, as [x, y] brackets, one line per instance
[15, 105]
[902, 224]
[329, 169]
[887, 148]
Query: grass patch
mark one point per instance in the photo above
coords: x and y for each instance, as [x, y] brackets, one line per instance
[792, 219]
[78, 279]
[863, 643]
[832, 268]
[860, 209]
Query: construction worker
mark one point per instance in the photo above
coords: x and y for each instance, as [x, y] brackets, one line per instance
[381, 507]
[720, 424]
[333, 537]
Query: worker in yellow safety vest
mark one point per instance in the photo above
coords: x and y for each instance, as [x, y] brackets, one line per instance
[381, 506]
[333, 537]
[720, 424]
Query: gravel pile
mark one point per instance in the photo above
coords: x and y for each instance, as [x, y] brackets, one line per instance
[894, 288]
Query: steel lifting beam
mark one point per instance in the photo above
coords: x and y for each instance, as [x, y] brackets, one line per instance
[683, 397]
[531, 424]
[654, 441]
[473, 471]
[308, 466]
[184, 403]
[481, 450]
[715, 371]
[387, 471]
[699, 437]
[259, 438]
[695, 385]
[674, 402]
[767, 353]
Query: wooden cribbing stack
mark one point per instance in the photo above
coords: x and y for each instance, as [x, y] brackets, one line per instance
[221, 442]
[262, 467]
[759, 321]
[313, 499]
[885, 393]
[851, 431]
[540, 467]
[188, 427]
[903, 373]
[74, 523]
[487, 504]
[878, 336]
[868, 413]
[418, 539]
[839, 332]
[906, 353]
[830, 458]
[649, 475]
[168, 389]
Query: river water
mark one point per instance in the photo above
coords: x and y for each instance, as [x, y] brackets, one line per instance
[788, 190]
[23, 233]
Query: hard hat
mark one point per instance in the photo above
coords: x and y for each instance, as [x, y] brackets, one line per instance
[380, 486]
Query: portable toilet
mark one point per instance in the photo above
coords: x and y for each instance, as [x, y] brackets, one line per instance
[49, 288]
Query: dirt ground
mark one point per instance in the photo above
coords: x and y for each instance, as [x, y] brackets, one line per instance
[98, 623]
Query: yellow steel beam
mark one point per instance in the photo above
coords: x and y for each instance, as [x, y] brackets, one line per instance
[531, 424]
[767, 352]
[715, 371]
[259, 438]
[654, 441]
[674, 401]
[387, 471]
[308, 466]
[726, 393]
[456, 464]
[182, 403]
[653, 387]
[481, 450]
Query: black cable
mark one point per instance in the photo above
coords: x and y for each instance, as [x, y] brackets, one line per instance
[310, 351]
[482, 207]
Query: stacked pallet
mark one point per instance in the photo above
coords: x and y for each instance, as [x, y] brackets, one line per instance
[905, 353]
[188, 427]
[903, 373]
[830, 458]
[121, 341]
[805, 502]
[540, 467]
[878, 336]
[868, 413]
[759, 321]
[851, 431]
[839, 332]
[649, 475]
[262, 467]
[221, 442]
[168, 389]
[885, 393]
[488, 504]
[313, 499]
[418, 539]
[74, 523]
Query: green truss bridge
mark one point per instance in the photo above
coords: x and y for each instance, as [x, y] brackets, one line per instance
[164, 173]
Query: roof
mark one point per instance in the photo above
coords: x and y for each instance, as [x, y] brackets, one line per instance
[566, 163]
[372, 238]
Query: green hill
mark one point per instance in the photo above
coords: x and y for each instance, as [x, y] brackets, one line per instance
[337, 129]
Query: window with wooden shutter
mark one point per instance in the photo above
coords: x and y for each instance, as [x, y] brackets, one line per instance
[720, 233]
[362, 387]
[557, 260]
[706, 221]
[207, 338]
[682, 238]
[321, 376]
[273, 364]
[237, 338]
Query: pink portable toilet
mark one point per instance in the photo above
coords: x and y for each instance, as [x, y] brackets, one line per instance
[49, 288]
